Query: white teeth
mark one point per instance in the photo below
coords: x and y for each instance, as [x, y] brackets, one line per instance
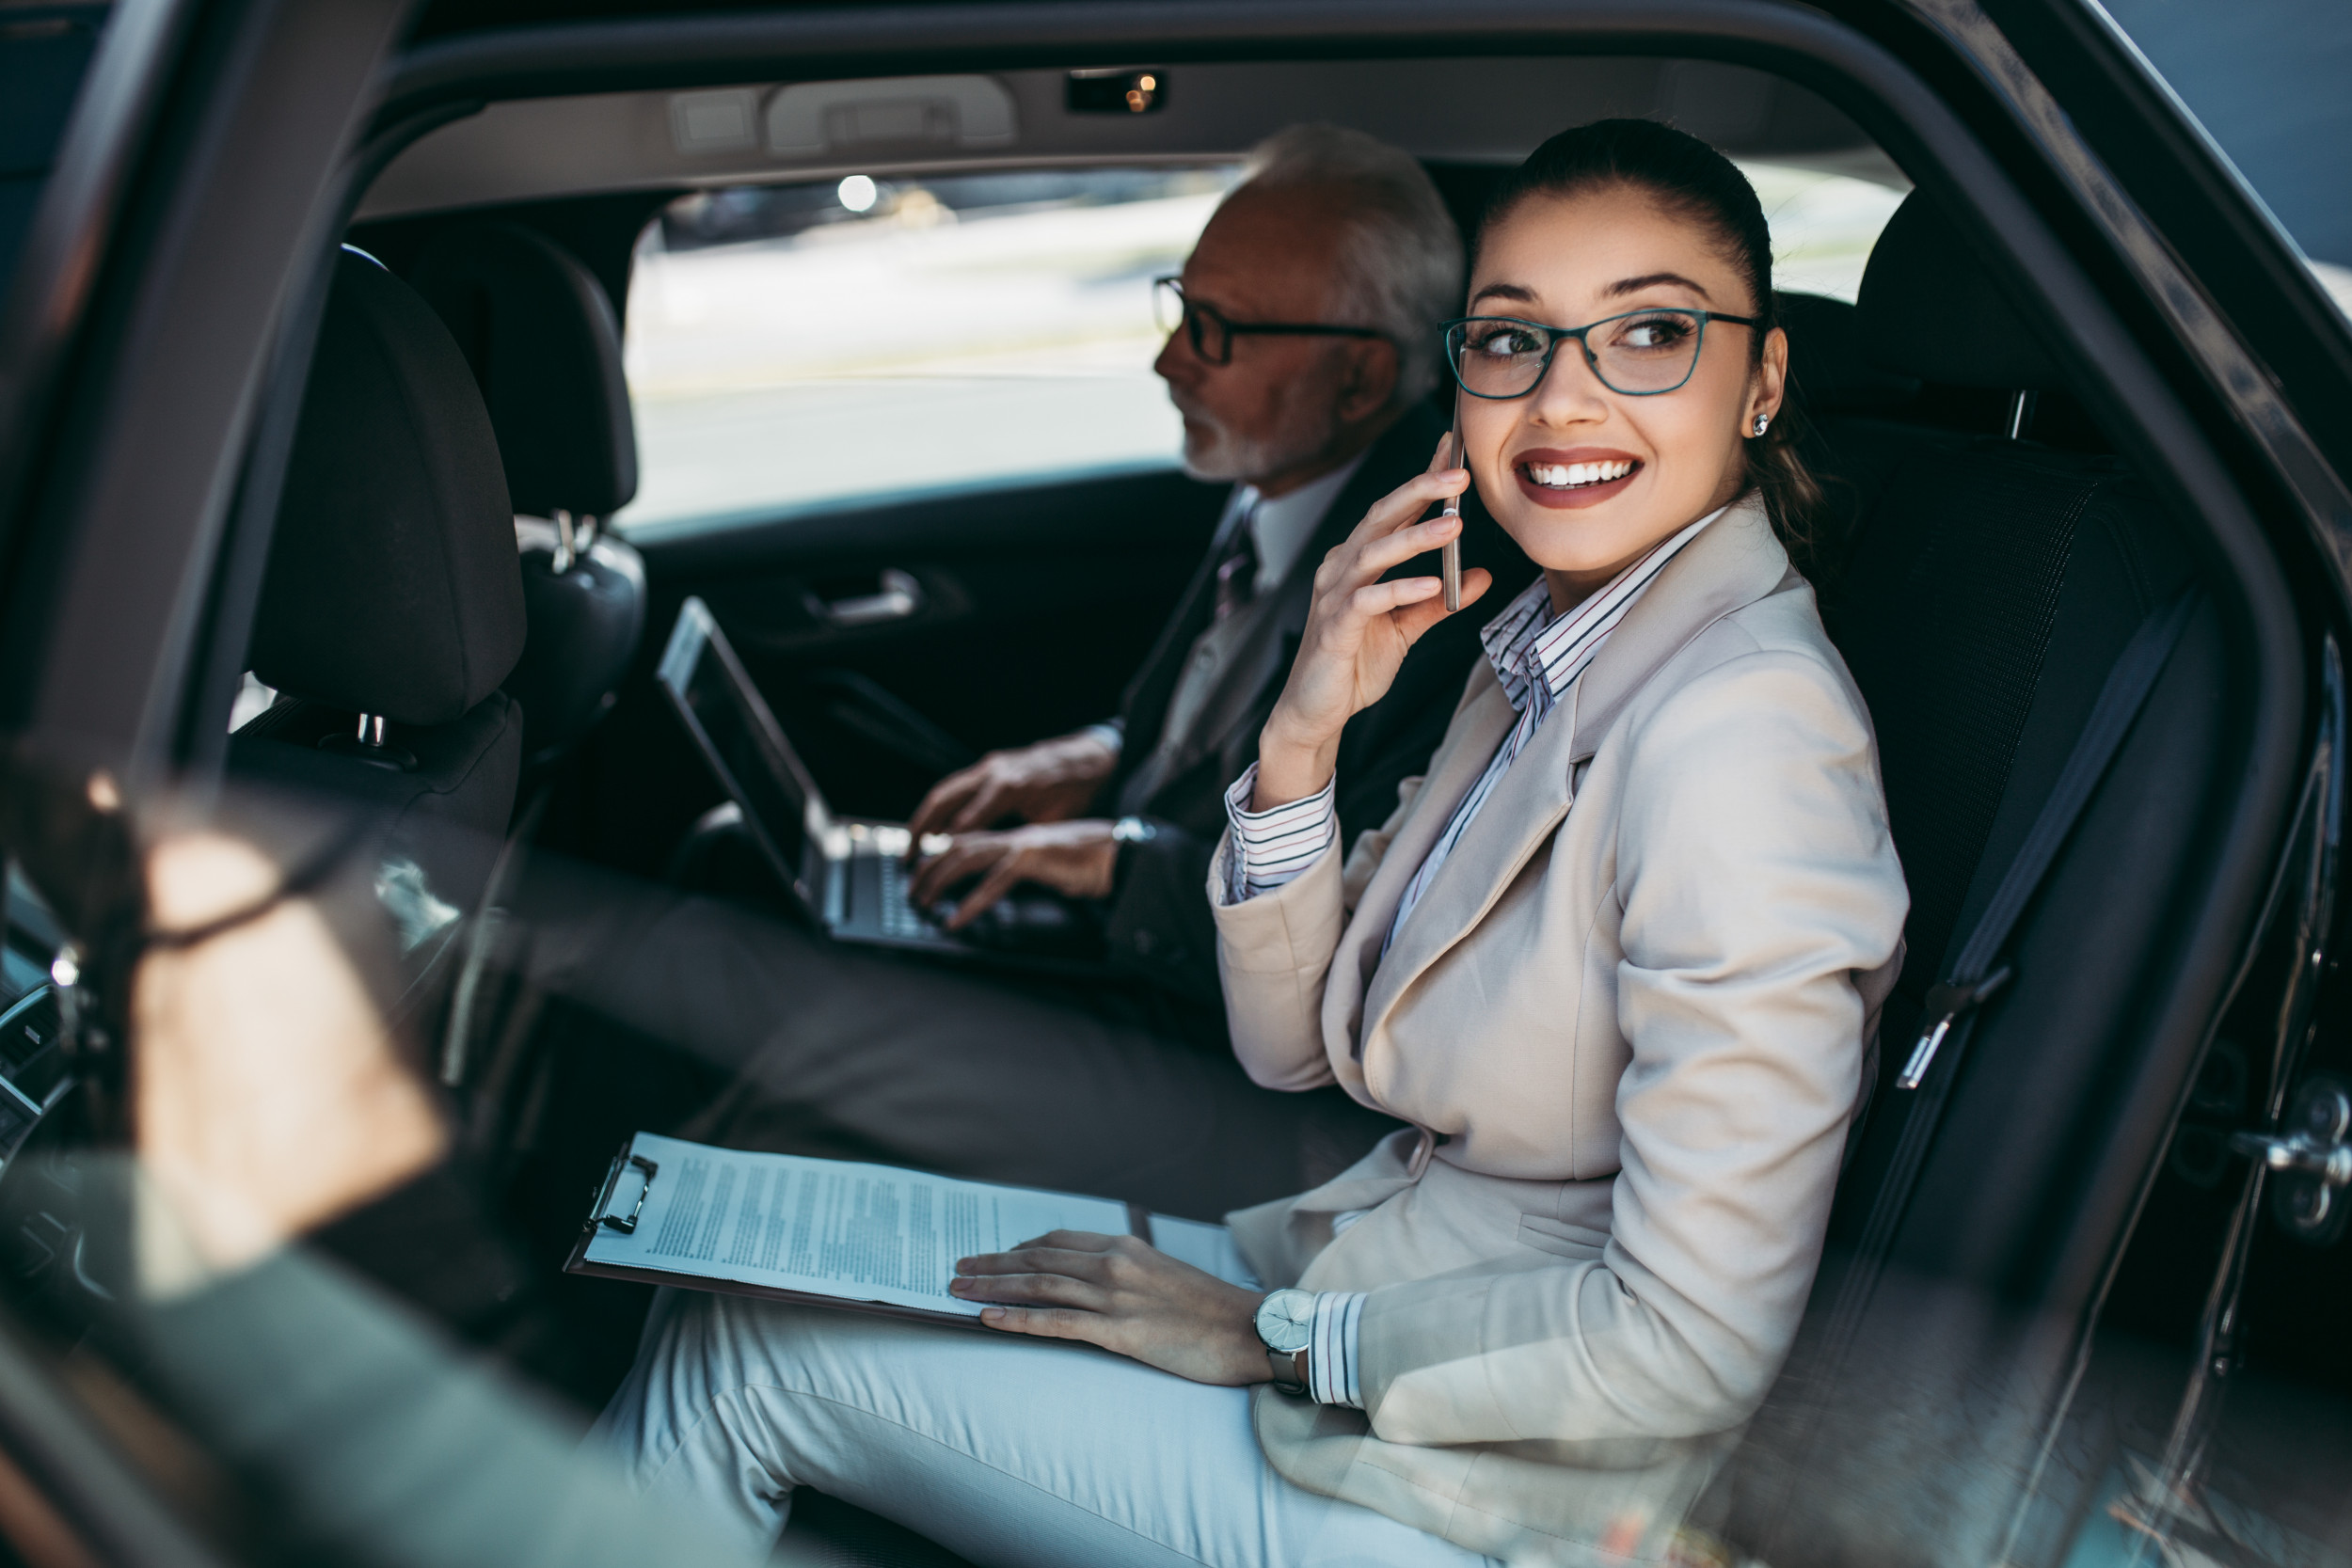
[1562, 476]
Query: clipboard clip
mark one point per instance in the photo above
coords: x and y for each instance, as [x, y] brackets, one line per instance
[625, 1223]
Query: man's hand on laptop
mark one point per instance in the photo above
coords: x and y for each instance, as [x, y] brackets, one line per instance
[1074, 857]
[1050, 782]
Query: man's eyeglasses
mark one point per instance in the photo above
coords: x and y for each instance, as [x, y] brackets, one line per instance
[1213, 335]
[1640, 354]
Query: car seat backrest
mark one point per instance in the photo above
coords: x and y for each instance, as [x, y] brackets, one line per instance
[391, 606]
[1990, 585]
[540, 336]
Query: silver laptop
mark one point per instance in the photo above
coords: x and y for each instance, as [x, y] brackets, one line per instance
[850, 876]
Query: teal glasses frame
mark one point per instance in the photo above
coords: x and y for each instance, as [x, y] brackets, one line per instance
[1454, 332]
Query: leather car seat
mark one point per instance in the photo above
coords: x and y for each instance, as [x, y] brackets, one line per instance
[541, 339]
[392, 607]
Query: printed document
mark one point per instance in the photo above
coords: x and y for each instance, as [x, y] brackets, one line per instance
[849, 1232]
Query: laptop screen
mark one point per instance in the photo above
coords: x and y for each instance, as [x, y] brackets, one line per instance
[741, 739]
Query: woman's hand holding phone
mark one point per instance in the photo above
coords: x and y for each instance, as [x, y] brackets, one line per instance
[1359, 631]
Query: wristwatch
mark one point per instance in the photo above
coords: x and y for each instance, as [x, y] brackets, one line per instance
[1286, 1325]
[1134, 830]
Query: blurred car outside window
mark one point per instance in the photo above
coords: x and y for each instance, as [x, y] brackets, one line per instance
[797, 345]
[801, 346]
[2266, 79]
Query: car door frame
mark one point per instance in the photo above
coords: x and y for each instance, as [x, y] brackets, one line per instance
[1953, 102]
[155, 435]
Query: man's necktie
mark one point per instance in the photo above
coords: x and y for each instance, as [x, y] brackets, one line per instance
[1237, 574]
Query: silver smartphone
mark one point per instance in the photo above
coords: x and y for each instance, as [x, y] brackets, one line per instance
[1450, 555]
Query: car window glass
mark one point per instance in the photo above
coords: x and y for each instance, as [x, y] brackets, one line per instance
[791, 346]
[42, 61]
[1823, 225]
[2265, 80]
[802, 343]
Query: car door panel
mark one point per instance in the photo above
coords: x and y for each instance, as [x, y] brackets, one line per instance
[996, 617]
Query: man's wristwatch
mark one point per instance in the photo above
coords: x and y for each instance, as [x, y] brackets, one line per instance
[1286, 1325]
[1132, 830]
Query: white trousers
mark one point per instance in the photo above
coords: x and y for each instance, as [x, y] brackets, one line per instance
[1020, 1452]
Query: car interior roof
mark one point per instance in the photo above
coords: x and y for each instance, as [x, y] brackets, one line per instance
[1466, 110]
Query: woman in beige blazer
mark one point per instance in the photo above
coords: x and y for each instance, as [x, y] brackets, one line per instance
[1616, 957]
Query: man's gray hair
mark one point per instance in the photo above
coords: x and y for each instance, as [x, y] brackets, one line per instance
[1400, 266]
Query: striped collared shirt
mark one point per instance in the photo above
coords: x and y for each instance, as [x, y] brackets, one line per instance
[1537, 656]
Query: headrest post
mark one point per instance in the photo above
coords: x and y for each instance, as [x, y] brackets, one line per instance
[567, 546]
[2021, 413]
[371, 731]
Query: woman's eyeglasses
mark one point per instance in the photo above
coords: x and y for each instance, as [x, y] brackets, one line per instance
[1213, 335]
[1640, 354]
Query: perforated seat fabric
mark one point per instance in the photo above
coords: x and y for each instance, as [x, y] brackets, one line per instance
[1947, 613]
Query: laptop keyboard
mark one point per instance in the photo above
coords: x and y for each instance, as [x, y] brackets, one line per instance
[898, 917]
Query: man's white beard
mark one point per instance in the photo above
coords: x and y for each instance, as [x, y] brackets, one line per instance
[1220, 456]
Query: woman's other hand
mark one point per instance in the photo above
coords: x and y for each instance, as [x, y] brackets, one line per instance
[1124, 1295]
[1359, 631]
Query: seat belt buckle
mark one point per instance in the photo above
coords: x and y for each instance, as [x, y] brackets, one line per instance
[1948, 1002]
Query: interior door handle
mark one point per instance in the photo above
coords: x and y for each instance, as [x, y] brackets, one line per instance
[898, 598]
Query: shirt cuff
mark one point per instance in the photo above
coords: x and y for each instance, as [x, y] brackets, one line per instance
[1270, 847]
[1332, 1376]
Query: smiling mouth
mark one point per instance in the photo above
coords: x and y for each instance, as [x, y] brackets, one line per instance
[1577, 476]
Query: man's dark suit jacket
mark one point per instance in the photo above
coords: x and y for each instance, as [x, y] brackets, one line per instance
[1159, 924]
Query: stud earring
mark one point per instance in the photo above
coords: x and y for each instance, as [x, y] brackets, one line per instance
[1761, 422]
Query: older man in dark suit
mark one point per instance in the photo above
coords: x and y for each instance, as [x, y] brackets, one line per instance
[1302, 348]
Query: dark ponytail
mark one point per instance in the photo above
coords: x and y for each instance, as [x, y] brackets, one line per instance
[1696, 183]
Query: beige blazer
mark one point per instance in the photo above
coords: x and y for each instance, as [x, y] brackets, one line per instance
[1632, 1010]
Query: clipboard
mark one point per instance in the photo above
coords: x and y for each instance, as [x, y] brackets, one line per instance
[635, 1177]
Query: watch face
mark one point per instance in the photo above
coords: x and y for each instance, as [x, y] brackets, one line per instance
[1286, 1319]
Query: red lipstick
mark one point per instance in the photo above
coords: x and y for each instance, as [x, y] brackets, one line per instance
[1551, 461]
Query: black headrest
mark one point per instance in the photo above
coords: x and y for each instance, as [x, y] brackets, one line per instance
[1826, 360]
[393, 587]
[540, 334]
[1929, 310]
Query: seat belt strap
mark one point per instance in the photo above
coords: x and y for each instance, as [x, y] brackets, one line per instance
[1976, 976]
[1974, 979]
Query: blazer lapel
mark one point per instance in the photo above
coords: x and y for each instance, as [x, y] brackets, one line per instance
[1734, 561]
[1479, 725]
